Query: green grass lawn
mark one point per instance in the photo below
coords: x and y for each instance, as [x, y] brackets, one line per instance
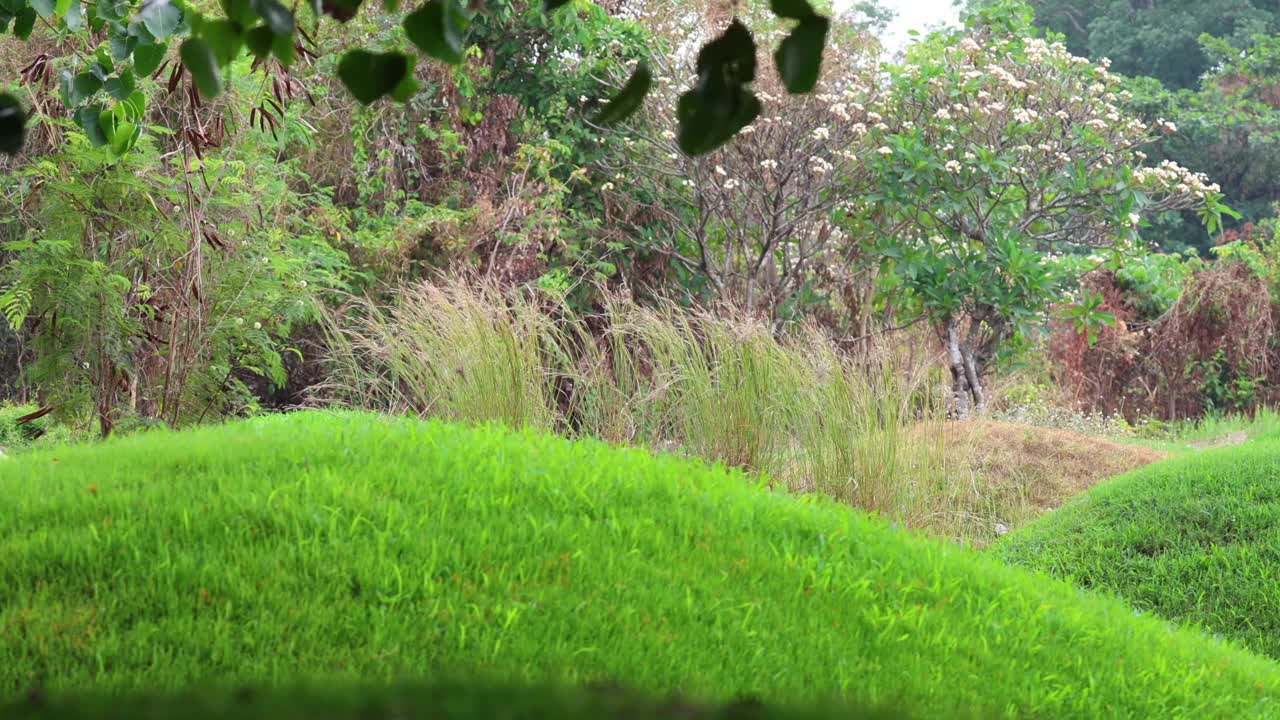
[354, 547]
[1196, 539]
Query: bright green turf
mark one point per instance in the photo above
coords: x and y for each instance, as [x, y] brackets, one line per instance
[458, 701]
[361, 547]
[1195, 539]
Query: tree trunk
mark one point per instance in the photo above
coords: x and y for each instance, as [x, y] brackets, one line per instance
[967, 393]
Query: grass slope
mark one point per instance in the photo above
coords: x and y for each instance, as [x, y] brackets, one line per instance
[348, 546]
[1195, 539]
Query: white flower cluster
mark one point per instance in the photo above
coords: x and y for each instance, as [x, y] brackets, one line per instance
[1171, 177]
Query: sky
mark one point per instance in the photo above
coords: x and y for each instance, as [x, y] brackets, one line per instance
[915, 15]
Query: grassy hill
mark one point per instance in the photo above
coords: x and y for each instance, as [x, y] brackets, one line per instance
[332, 547]
[1196, 539]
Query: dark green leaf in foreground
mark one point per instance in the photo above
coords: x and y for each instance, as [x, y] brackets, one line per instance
[259, 40]
[276, 16]
[628, 100]
[553, 5]
[224, 38]
[198, 57]
[799, 56]
[720, 104]
[792, 9]
[369, 76]
[438, 29]
[13, 124]
[340, 10]
[24, 23]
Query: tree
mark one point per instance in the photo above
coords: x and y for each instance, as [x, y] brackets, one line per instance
[1001, 150]
[1156, 39]
[754, 220]
[139, 38]
[1228, 128]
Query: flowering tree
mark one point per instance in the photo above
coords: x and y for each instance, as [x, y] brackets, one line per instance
[1001, 150]
[754, 219]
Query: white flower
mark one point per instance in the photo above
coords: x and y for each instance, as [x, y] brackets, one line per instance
[668, 135]
[953, 166]
[607, 187]
[257, 326]
[821, 133]
[239, 321]
[747, 130]
[720, 171]
[969, 44]
[1134, 219]
[942, 114]
[731, 183]
[582, 98]
[769, 164]
[885, 150]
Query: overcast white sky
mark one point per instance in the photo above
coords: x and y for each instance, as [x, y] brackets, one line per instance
[915, 15]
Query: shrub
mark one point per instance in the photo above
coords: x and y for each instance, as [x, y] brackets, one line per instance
[341, 546]
[1194, 540]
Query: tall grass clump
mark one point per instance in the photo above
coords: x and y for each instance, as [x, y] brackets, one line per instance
[710, 383]
[464, 352]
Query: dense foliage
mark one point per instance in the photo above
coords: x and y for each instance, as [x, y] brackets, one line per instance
[353, 546]
[1156, 39]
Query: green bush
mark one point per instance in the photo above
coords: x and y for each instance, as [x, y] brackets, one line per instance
[326, 547]
[1195, 540]
[13, 434]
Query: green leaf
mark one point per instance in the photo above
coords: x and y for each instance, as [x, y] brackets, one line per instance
[45, 8]
[553, 5]
[88, 118]
[275, 15]
[122, 86]
[146, 58]
[76, 89]
[23, 25]
[122, 44]
[799, 56]
[199, 59]
[340, 10]
[438, 29]
[136, 105]
[13, 125]
[125, 136]
[104, 62]
[369, 76]
[259, 40]
[719, 104]
[224, 38]
[74, 17]
[282, 48]
[110, 9]
[60, 7]
[792, 9]
[161, 18]
[629, 99]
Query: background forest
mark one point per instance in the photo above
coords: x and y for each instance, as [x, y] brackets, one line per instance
[1062, 205]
